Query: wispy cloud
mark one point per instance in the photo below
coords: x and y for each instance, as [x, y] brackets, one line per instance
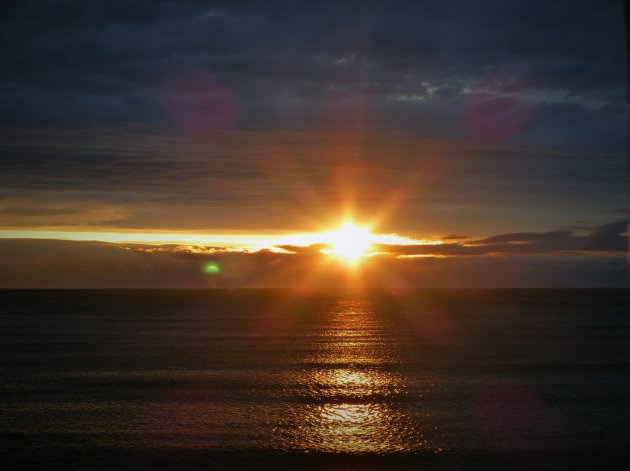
[38, 211]
[144, 177]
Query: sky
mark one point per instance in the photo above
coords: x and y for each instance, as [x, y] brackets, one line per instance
[142, 142]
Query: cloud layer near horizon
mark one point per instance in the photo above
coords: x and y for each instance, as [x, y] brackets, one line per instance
[608, 238]
[551, 259]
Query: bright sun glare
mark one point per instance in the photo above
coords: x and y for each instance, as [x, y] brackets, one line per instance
[349, 242]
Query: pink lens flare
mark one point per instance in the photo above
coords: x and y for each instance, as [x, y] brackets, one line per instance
[498, 109]
[200, 105]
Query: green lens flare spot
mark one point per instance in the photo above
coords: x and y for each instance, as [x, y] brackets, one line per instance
[212, 268]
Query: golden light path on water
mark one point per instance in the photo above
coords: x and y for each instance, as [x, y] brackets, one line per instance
[353, 393]
[333, 382]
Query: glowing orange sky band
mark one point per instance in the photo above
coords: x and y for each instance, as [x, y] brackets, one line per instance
[239, 241]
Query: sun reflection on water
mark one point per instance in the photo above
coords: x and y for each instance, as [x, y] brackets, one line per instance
[352, 427]
[354, 397]
[344, 377]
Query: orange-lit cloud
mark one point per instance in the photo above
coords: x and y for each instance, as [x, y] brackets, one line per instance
[556, 258]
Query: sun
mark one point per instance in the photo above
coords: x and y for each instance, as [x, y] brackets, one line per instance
[349, 242]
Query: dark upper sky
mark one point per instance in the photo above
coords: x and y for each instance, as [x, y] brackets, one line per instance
[407, 67]
[481, 118]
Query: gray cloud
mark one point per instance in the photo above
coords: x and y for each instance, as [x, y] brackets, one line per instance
[454, 237]
[152, 178]
[608, 238]
[74, 62]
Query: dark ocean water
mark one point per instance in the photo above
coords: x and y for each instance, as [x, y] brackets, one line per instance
[237, 379]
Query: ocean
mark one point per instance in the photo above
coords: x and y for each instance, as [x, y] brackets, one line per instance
[273, 379]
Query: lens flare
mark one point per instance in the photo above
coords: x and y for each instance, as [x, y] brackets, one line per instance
[200, 104]
[212, 268]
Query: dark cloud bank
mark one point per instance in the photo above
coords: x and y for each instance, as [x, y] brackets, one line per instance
[407, 66]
